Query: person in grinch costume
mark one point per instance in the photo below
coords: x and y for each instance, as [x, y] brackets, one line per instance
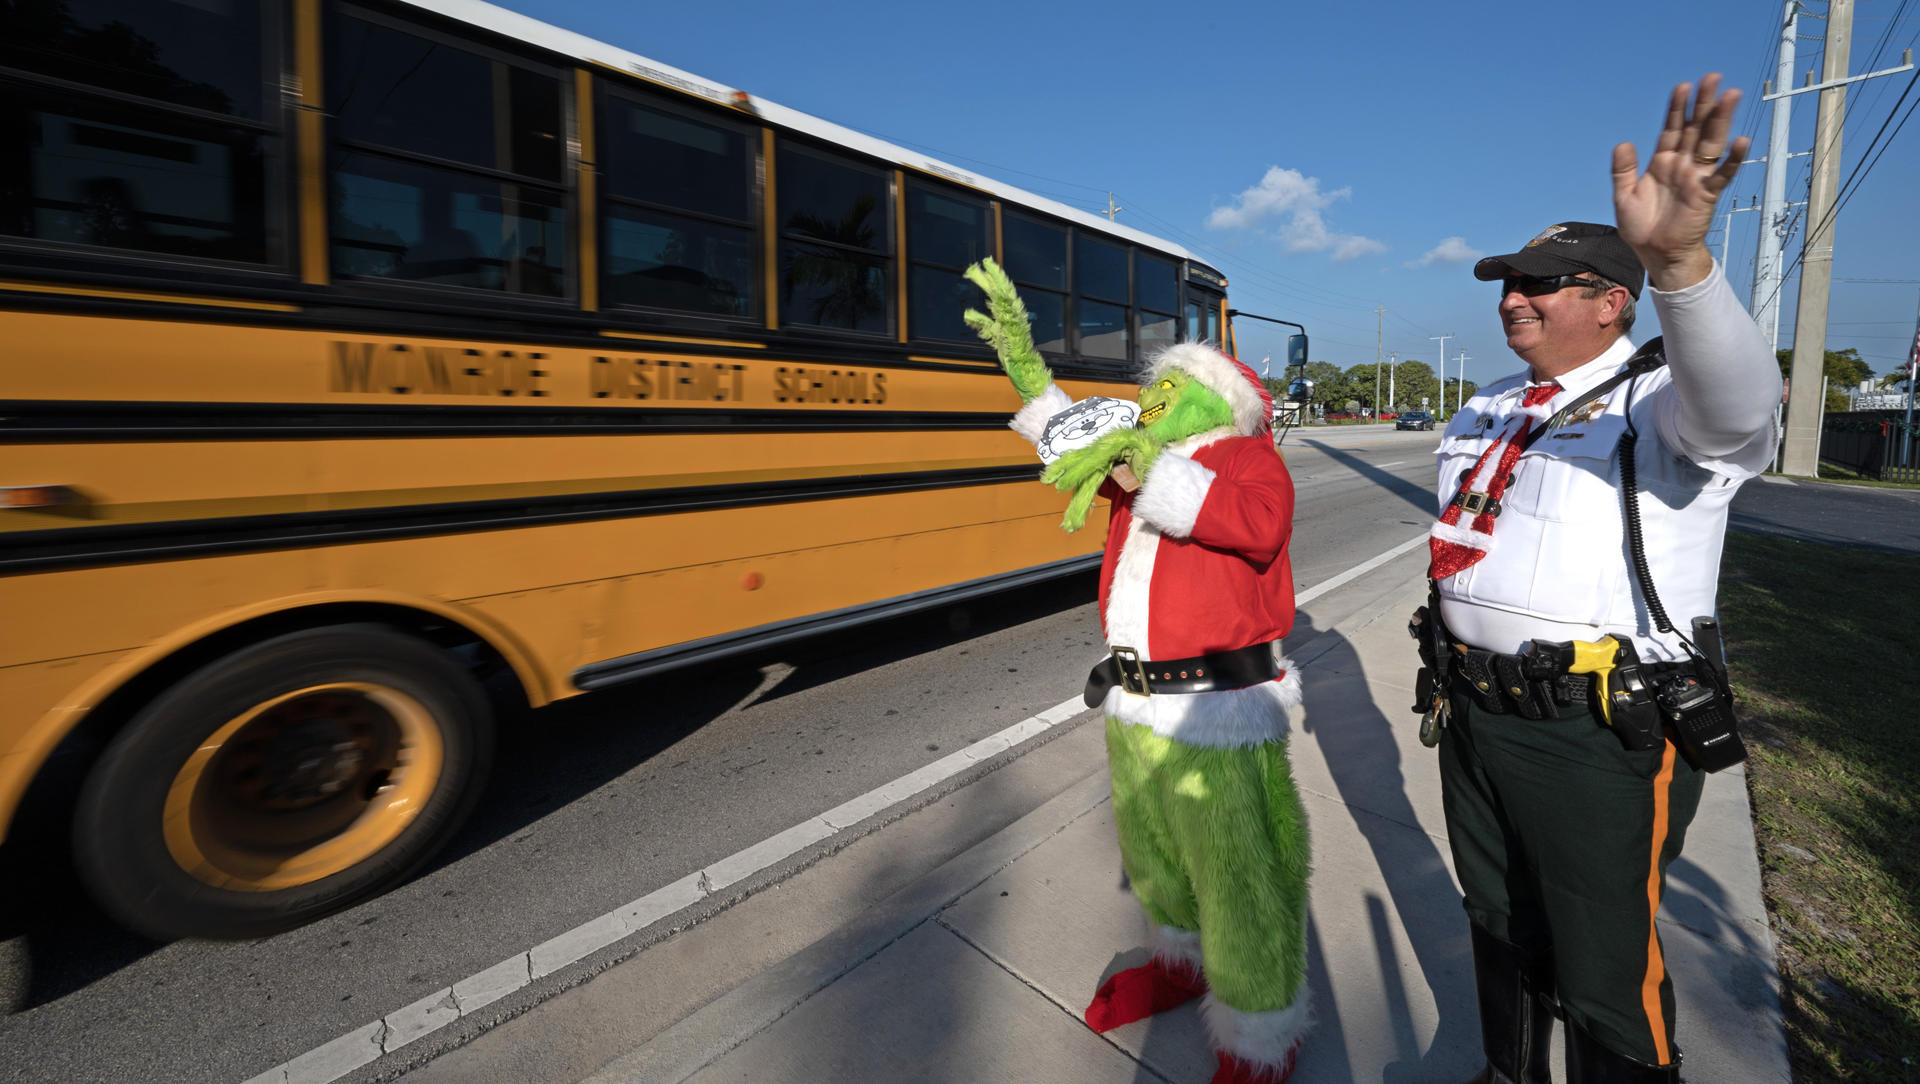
[1196, 594]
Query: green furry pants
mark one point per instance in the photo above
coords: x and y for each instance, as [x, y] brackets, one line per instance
[1215, 841]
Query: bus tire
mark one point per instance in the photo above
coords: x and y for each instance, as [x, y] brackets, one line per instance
[281, 783]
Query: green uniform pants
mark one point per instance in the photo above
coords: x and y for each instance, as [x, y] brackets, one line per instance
[1215, 840]
[1561, 839]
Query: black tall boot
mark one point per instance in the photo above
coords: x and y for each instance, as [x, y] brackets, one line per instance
[1516, 1012]
[1590, 1063]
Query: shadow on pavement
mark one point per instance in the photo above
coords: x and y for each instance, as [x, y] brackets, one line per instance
[1363, 759]
[1421, 497]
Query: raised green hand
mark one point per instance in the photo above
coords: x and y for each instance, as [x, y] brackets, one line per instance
[1081, 471]
[1006, 328]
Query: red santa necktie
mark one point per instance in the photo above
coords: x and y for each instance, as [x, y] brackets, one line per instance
[1457, 545]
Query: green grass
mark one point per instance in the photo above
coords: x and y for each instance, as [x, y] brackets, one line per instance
[1823, 642]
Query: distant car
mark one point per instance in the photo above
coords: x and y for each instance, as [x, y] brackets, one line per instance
[1414, 419]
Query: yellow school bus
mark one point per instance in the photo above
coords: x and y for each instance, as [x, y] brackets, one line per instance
[352, 353]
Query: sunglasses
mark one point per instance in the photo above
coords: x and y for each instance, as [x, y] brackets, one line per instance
[1533, 287]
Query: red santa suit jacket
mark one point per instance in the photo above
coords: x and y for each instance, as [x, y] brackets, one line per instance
[1196, 562]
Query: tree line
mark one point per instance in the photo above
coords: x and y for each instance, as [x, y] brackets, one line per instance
[1412, 386]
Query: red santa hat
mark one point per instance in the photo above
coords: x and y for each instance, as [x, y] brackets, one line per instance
[1240, 386]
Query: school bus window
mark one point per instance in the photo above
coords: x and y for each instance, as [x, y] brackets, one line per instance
[1157, 285]
[198, 55]
[945, 234]
[398, 220]
[835, 244]
[410, 112]
[164, 176]
[1156, 289]
[1100, 307]
[1036, 259]
[679, 212]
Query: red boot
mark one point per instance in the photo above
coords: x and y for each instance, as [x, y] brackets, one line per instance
[1240, 1071]
[1139, 992]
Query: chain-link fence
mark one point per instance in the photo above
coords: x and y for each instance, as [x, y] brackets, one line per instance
[1877, 444]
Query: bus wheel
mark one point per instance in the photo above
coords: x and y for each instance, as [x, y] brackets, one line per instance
[282, 782]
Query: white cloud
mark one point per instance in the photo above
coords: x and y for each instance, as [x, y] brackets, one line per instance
[1352, 248]
[1451, 250]
[1285, 194]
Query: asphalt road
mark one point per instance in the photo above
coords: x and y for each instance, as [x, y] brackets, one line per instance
[1846, 515]
[603, 798]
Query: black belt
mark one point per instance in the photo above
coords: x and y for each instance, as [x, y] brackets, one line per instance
[1236, 669]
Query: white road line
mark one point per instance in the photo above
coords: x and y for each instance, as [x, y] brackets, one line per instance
[335, 1059]
[1356, 571]
[1384, 466]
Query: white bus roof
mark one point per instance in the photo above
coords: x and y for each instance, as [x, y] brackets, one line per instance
[585, 49]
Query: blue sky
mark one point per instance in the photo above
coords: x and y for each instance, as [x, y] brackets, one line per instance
[1331, 159]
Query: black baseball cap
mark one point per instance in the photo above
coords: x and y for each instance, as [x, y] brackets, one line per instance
[1568, 249]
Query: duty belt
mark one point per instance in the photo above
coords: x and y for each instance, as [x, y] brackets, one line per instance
[1234, 669]
[1533, 684]
[1516, 684]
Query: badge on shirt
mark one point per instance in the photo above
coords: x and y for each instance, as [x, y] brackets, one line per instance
[1585, 414]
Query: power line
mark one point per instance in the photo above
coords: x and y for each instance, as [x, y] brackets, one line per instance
[1856, 177]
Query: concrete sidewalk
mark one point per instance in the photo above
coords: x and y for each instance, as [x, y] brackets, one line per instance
[977, 968]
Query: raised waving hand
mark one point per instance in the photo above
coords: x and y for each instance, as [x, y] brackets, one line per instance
[1665, 212]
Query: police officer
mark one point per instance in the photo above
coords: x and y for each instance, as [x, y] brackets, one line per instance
[1562, 824]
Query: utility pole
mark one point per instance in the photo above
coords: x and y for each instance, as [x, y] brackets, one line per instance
[1112, 208]
[1443, 351]
[1765, 305]
[1802, 442]
[1460, 389]
[1380, 337]
[1726, 236]
[1800, 449]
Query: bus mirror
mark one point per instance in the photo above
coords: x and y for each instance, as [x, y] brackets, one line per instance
[1300, 389]
[1297, 351]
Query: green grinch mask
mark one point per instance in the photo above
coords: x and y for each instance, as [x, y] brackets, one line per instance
[1177, 406]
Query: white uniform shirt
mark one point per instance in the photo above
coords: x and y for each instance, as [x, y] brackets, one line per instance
[1558, 565]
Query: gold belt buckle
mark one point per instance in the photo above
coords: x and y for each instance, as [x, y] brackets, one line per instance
[1475, 503]
[1133, 675]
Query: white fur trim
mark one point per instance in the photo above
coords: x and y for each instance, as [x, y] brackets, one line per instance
[1222, 374]
[1460, 536]
[1175, 946]
[1031, 421]
[1226, 719]
[1127, 616]
[1263, 1038]
[1175, 489]
[1198, 441]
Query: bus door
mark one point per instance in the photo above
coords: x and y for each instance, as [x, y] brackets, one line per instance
[1203, 318]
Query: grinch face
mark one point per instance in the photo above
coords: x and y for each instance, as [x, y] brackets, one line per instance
[1177, 406]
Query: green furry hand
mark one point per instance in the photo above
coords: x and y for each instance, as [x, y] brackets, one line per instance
[1007, 330]
[1082, 470]
[1080, 504]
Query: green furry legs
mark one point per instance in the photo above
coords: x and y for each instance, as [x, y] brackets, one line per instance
[1215, 840]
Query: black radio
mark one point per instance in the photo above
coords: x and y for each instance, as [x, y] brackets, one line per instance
[1702, 722]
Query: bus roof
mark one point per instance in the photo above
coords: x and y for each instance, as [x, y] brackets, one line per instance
[588, 50]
